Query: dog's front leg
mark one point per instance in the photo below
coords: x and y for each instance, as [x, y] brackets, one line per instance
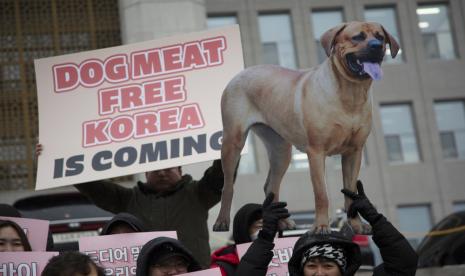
[350, 169]
[317, 172]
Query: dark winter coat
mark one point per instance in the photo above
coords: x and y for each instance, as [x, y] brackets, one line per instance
[398, 256]
[148, 250]
[184, 208]
[226, 258]
[126, 218]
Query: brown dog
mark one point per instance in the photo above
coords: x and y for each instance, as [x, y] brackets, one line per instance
[323, 111]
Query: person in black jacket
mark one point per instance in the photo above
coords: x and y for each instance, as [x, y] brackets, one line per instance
[255, 261]
[165, 256]
[312, 252]
[246, 225]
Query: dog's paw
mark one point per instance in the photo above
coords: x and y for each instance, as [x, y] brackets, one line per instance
[221, 226]
[287, 224]
[321, 229]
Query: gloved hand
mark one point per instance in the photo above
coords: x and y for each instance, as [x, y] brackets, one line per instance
[272, 212]
[361, 205]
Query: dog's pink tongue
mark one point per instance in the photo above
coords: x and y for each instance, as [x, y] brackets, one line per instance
[373, 69]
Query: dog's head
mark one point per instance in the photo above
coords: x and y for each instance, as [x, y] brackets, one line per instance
[358, 48]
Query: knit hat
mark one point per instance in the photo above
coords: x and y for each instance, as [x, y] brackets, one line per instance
[330, 252]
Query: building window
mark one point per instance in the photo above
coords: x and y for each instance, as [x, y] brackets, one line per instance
[433, 21]
[215, 21]
[414, 222]
[450, 118]
[248, 163]
[387, 17]
[31, 30]
[399, 133]
[458, 206]
[277, 40]
[321, 22]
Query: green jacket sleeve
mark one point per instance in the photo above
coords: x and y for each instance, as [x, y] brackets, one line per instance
[211, 184]
[106, 195]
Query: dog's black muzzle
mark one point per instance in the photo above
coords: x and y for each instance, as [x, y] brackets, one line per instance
[373, 53]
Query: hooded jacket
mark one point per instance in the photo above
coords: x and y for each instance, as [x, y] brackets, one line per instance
[351, 249]
[147, 251]
[398, 256]
[126, 218]
[226, 257]
[183, 208]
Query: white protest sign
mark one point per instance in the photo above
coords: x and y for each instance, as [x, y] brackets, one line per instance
[133, 108]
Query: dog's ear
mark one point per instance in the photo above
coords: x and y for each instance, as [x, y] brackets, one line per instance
[393, 44]
[329, 37]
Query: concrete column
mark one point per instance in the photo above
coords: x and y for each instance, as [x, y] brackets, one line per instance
[143, 20]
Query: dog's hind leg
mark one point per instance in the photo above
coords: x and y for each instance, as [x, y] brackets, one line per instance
[233, 142]
[279, 156]
[350, 168]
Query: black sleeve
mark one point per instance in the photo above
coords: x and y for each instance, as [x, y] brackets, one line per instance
[399, 258]
[106, 195]
[256, 259]
[211, 185]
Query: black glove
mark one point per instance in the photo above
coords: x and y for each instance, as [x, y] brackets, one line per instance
[361, 205]
[272, 212]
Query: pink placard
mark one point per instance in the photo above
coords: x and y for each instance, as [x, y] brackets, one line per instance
[282, 253]
[24, 263]
[38, 236]
[118, 253]
[207, 272]
[133, 108]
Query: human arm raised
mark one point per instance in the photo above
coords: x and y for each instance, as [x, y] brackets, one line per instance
[104, 194]
[255, 261]
[399, 258]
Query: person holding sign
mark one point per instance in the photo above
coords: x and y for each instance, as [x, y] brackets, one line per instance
[258, 256]
[168, 201]
[336, 255]
[12, 237]
[247, 223]
[165, 256]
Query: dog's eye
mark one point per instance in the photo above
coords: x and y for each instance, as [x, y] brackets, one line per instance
[379, 37]
[360, 37]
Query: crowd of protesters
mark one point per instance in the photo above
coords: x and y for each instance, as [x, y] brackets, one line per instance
[170, 201]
